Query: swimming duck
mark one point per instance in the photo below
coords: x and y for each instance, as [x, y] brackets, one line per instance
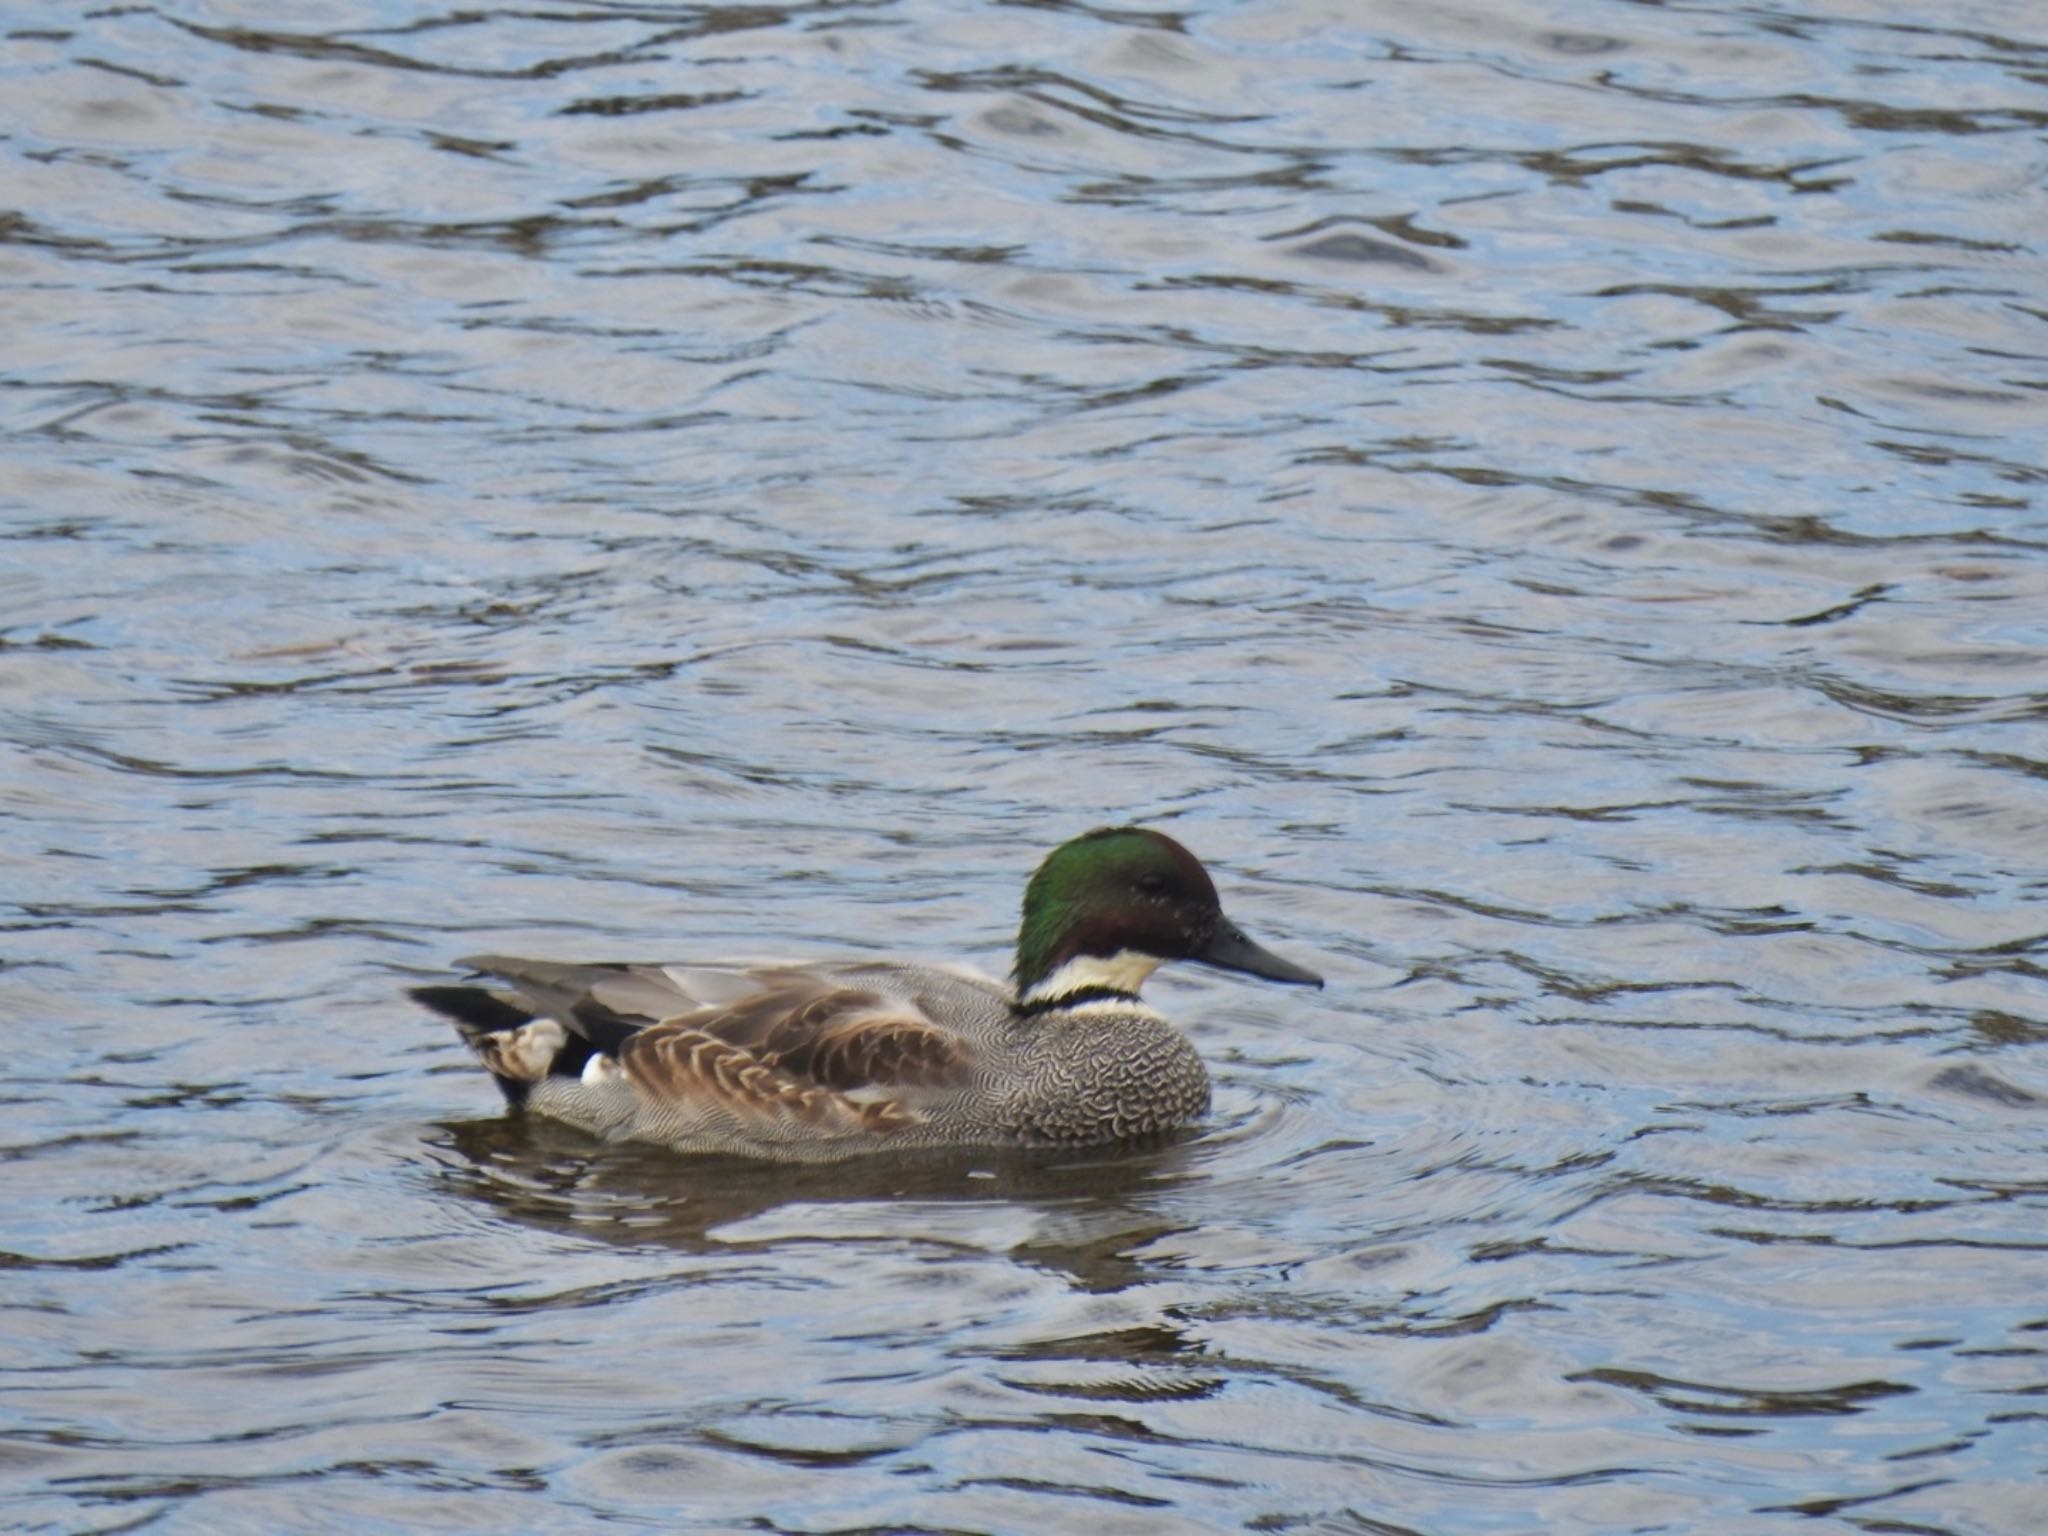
[807, 1061]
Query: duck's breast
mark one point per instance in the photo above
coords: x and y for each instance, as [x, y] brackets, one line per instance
[1105, 1075]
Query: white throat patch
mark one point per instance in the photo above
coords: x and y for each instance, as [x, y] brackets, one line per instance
[1124, 971]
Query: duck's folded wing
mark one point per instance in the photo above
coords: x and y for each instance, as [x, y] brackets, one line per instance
[812, 1026]
[769, 1050]
[806, 1058]
[839, 1036]
[677, 1069]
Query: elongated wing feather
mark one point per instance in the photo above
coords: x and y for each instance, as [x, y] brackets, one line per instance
[681, 1066]
[842, 1037]
[870, 1047]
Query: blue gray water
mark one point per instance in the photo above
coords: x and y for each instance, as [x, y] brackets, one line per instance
[1547, 499]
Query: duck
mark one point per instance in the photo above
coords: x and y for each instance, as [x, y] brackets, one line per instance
[815, 1061]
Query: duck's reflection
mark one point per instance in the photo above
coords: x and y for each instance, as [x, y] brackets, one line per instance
[1082, 1212]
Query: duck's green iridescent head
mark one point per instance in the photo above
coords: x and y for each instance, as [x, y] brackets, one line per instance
[1107, 908]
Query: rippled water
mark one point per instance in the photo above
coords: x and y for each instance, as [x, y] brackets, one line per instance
[1546, 499]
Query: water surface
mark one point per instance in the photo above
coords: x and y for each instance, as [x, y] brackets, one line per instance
[1545, 499]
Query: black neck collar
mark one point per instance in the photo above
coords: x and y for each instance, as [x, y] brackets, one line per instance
[1034, 1008]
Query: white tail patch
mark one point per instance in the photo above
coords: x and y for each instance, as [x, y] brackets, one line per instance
[524, 1054]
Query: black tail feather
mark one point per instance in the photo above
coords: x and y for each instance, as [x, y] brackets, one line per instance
[479, 1014]
[473, 1010]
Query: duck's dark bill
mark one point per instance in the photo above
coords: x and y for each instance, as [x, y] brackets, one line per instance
[1229, 950]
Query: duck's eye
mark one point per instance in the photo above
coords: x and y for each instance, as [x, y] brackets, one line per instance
[1152, 885]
